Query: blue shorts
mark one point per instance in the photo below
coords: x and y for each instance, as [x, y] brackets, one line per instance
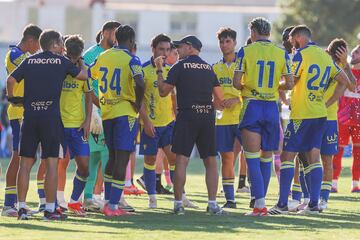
[163, 135]
[329, 145]
[225, 137]
[48, 131]
[74, 141]
[15, 129]
[120, 133]
[262, 117]
[304, 135]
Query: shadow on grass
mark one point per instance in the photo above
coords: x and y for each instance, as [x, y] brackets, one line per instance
[197, 221]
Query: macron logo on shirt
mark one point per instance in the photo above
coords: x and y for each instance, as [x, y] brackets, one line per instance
[44, 61]
[197, 66]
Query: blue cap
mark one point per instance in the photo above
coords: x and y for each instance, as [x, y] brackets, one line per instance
[191, 40]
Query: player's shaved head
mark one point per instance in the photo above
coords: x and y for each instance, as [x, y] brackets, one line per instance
[302, 30]
[48, 38]
[261, 26]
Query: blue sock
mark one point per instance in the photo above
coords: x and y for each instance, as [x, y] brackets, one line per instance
[40, 187]
[172, 171]
[228, 186]
[296, 192]
[78, 186]
[10, 196]
[107, 184]
[325, 190]
[116, 191]
[286, 177]
[256, 179]
[56, 203]
[316, 174]
[266, 168]
[304, 188]
[150, 178]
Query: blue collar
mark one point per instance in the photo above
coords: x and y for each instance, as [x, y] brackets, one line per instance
[234, 60]
[263, 40]
[311, 43]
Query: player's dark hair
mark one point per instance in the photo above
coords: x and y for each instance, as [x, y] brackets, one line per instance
[286, 32]
[64, 37]
[158, 39]
[124, 33]
[302, 30]
[335, 45]
[225, 32]
[74, 46]
[261, 26]
[110, 25]
[172, 46]
[248, 41]
[48, 38]
[31, 31]
[98, 36]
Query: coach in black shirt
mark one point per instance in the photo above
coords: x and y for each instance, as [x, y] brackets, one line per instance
[195, 83]
[43, 75]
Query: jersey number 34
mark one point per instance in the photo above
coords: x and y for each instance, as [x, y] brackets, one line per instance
[114, 82]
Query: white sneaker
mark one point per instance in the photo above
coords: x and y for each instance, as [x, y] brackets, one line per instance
[322, 205]
[152, 202]
[9, 212]
[187, 203]
[101, 203]
[310, 211]
[63, 204]
[304, 204]
[293, 205]
[244, 189]
[90, 205]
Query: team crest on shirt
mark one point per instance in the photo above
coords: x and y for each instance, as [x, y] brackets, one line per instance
[136, 69]
[102, 101]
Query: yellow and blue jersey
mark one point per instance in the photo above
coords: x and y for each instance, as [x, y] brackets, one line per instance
[225, 74]
[330, 89]
[262, 63]
[115, 70]
[12, 60]
[158, 109]
[313, 67]
[71, 101]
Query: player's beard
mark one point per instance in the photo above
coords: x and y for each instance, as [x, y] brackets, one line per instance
[355, 61]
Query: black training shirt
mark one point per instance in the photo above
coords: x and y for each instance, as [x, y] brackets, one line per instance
[43, 75]
[194, 80]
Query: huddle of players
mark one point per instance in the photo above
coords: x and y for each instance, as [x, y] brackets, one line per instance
[258, 127]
